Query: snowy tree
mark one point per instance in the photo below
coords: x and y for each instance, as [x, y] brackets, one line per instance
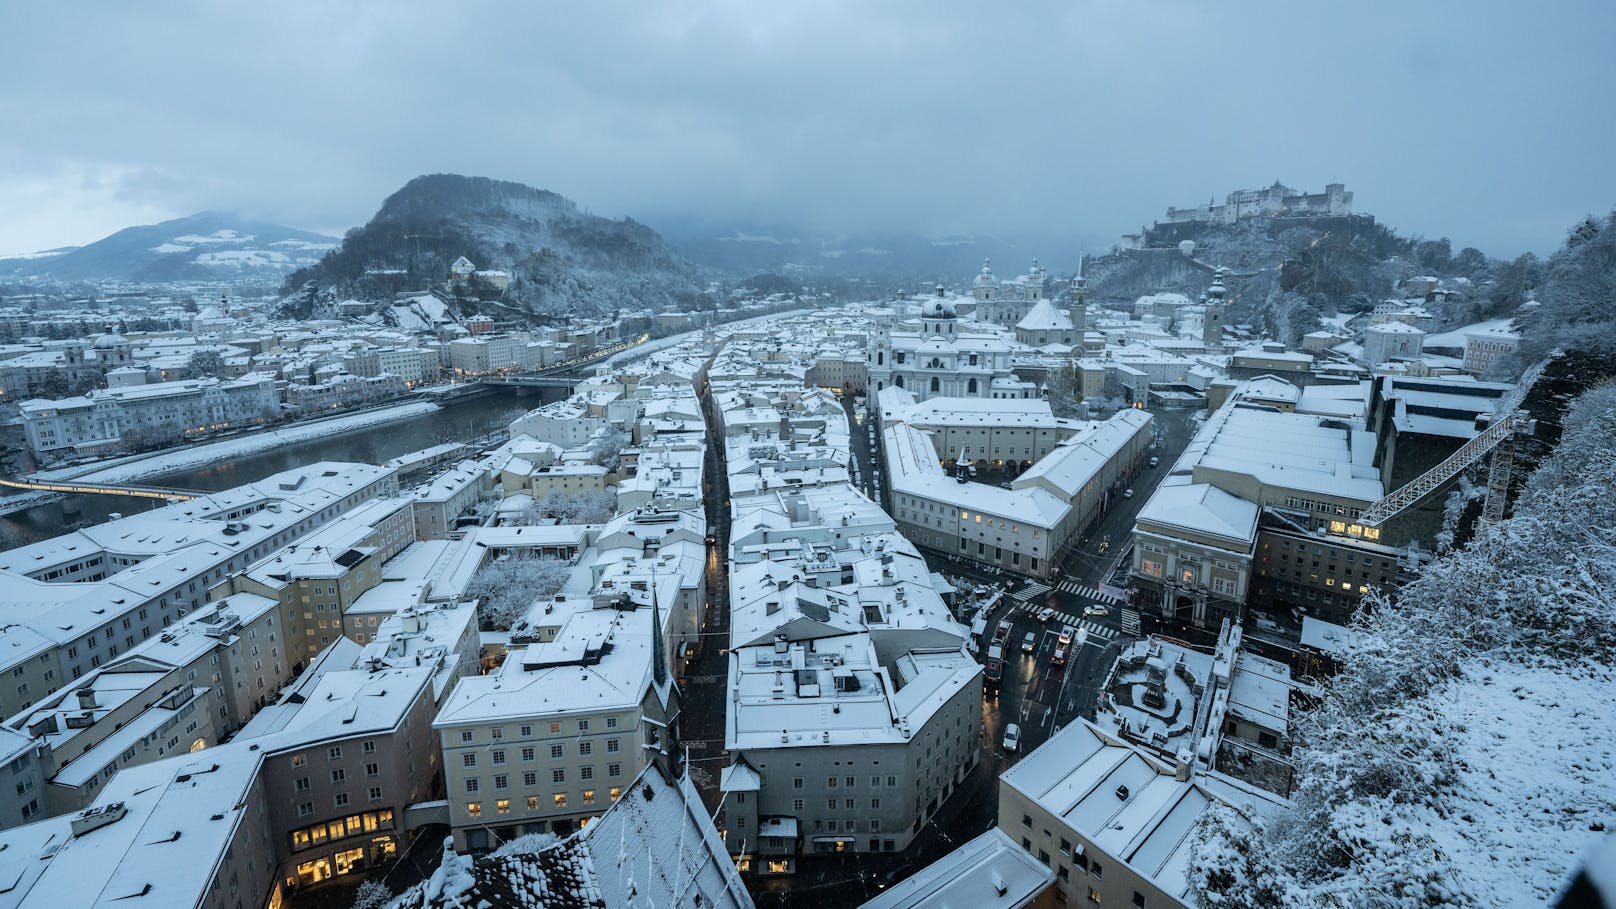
[205, 364]
[527, 844]
[371, 895]
[1064, 388]
[586, 507]
[507, 587]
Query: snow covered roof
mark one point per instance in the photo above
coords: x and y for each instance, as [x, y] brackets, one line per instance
[1044, 317]
[991, 871]
[1205, 509]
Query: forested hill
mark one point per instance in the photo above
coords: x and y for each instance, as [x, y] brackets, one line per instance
[1293, 271]
[561, 261]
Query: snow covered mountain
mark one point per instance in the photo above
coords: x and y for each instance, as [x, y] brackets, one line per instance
[550, 258]
[209, 246]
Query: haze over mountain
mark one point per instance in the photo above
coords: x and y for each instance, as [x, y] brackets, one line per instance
[208, 246]
[559, 260]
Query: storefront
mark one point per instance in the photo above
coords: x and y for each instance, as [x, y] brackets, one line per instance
[342, 846]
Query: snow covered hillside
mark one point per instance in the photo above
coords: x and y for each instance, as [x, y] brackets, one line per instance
[1466, 755]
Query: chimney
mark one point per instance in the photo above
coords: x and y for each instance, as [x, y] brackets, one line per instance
[86, 698]
[1182, 765]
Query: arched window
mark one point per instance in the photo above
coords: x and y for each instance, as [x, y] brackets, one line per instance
[897, 381]
[936, 385]
[970, 387]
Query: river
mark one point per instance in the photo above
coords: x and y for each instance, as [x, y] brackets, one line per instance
[456, 421]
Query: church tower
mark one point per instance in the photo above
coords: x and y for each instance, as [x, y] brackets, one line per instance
[1078, 300]
[1212, 317]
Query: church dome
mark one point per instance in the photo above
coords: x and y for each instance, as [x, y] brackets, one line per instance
[110, 341]
[986, 279]
[938, 308]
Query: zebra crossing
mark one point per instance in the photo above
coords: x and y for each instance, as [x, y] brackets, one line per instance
[1094, 629]
[1033, 590]
[1084, 590]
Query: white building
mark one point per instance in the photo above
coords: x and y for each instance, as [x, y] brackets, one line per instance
[938, 357]
[1389, 341]
[168, 411]
[1483, 348]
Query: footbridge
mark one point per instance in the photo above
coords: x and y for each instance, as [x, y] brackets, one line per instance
[103, 489]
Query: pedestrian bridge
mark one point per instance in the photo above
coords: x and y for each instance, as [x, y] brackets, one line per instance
[104, 489]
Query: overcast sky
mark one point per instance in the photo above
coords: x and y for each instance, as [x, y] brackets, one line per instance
[1492, 123]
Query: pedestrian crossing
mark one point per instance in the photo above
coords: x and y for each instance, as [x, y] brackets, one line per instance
[1094, 629]
[1130, 621]
[1032, 591]
[1084, 590]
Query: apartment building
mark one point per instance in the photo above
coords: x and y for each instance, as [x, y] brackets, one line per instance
[109, 417]
[582, 703]
[81, 599]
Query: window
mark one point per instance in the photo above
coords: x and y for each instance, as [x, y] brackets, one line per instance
[369, 748]
[555, 727]
[375, 793]
[1139, 899]
[338, 775]
[830, 782]
[527, 731]
[558, 775]
[611, 722]
[556, 751]
[469, 759]
[465, 735]
[614, 769]
[796, 782]
[589, 796]
[475, 809]
[373, 769]
[849, 782]
[299, 760]
[472, 784]
[527, 754]
[305, 809]
[560, 799]
[1094, 896]
[503, 806]
[583, 725]
[341, 799]
[585, 748]
[830, 804]
[796, 805]
[1026, 821]
[501, 781]
[499, 757]
[533, 803]
[614, 792]
[334, 753]
[301, 784]
[587, 773]
[1095, 870]
[847, 804]
[612, 746]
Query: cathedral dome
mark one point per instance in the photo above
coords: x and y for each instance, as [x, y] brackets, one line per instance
[986, 279]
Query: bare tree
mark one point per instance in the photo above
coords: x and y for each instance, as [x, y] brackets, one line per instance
[508, 586]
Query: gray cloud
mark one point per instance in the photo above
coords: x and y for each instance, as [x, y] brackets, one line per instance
[1486, 122]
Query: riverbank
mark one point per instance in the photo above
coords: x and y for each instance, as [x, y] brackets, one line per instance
[139, 467]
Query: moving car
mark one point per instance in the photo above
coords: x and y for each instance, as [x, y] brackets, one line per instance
[1127, 493]
[1045, 614]
[1030, 642]
[1066, 635]
[1012, 737]
[1095, 609]
[1059, 659]
[1154, 461]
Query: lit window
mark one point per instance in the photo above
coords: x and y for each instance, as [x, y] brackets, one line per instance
[614, 793]
[503, 806]
[560, 799]
[475, 809]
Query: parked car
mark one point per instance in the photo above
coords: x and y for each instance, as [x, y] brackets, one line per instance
[1154, 461]
[1127, 493]
[1002, 633]
[1095, 609]
[1012, 737]
[1030, 642]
